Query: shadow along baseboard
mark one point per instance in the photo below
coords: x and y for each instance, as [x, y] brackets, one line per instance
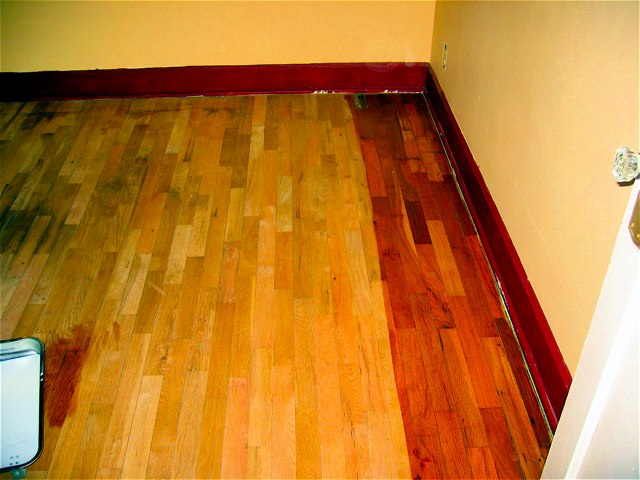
[546, 365]
[213, 81]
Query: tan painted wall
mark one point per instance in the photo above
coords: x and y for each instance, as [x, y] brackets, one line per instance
[544, 93]
[43, 35]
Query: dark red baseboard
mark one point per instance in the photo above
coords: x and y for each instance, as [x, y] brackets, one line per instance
[548, 370]
[213, 80]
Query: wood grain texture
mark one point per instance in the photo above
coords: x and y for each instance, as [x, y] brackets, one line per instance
[221, 295]
[179, 258]
[550, 374]
[463, 395]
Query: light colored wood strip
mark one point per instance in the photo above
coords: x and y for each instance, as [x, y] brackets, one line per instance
[21, 294]
[119, 429]
[208, 182]
[382, 458]
[358, 273]
[185, 457]
[284, 205]
[201, 351]
[189, 293]
[8, 285]
[242, 326]
[283, 460]
[178, 131]
[283, 275]
[81, 201]
[152, 177]
[308, 461]
[213, 253]
[446, 260]
[162, 330]
[269, 196]
[92, 442]
[370, 372]
[139, 444]
[260, 416]
[200, 229]
[302, 260]
[233, 230]
[227, 286]
[180, 174]
[263, 325]
[259, 110]
[234, 447]
[124, 261]
[248, 254]
[283, 342]
[330, 416]
[166, 426]
[133, 290]
[255, 172]
[213, 420]
[267, 236]
[178, 254]
[28, 321]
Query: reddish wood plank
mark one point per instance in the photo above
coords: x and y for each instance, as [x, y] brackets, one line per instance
[417, 222]
[502, 449]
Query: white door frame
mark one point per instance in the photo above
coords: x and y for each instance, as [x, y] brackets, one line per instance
[597, 435]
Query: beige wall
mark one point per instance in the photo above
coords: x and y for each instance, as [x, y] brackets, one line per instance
[43, 35]
[544, 93]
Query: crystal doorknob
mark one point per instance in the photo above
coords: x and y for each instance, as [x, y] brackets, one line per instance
[625, 165]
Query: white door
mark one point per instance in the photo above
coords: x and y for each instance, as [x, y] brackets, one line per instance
[597, 435]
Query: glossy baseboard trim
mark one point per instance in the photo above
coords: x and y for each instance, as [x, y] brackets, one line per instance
[213, 80]
[548, 370]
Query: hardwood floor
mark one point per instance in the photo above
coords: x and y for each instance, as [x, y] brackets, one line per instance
[269, 286]
[468, 407]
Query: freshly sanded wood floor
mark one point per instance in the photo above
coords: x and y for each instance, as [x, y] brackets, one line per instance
[269, 286]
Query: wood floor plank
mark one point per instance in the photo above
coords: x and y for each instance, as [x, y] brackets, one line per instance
[268, 286]
[308, 463]
[21, 294]
[144, 417]
[444, 255]
[212, 434]
[463, 392]
[529, 452]
[503, 450]
[451, 315]
[453, 445]
[283, 441]
[234, 453]
[113, 453]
